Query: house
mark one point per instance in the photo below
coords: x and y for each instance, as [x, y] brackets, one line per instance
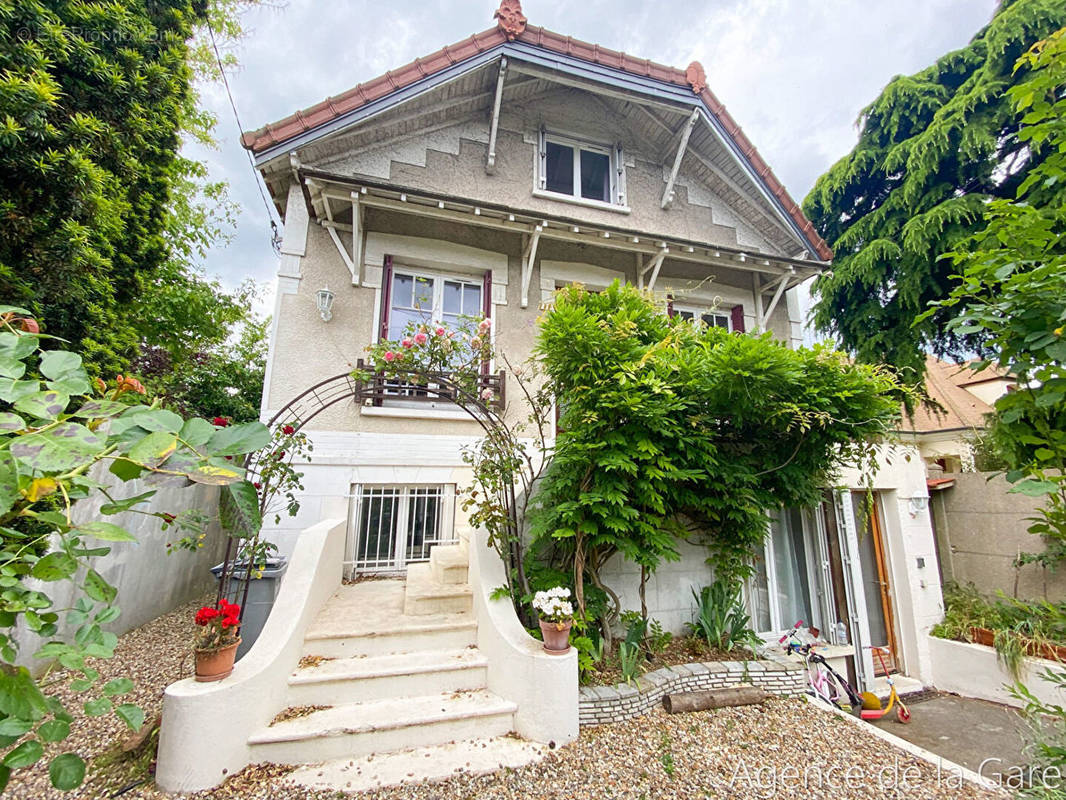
[962, 399]
[478, 180]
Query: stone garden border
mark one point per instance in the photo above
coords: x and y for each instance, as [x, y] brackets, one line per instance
[600, 705]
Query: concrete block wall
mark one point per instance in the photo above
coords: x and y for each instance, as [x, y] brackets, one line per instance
[981, 528]
[601, 705]
[150, 581]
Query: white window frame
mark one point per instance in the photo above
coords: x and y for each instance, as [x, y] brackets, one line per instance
[699, 312]
[819, 583]
[399, 562]
[616, 171]
[438, 277]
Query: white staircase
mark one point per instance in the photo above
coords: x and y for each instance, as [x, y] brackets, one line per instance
[392, 667]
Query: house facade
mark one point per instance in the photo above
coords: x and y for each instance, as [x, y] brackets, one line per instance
[480, 179]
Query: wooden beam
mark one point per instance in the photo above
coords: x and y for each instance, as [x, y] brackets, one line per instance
[668, 193]
[357, 239]
[490, 164]
[654, 264]
[760, 320]
[528, 257]
[782, 284]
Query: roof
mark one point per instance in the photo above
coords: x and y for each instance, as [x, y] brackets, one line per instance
[512, 26]
[945, 383]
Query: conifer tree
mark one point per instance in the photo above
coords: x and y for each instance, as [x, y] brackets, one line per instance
[934, 148]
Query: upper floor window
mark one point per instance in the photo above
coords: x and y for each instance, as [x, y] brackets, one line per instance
[581, 170]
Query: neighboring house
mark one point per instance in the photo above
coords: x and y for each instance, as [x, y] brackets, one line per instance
[944, 433]
[480, 179]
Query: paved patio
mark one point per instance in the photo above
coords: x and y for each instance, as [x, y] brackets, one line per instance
[969, 732]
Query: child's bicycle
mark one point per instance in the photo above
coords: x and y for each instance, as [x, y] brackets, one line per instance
[823, 681]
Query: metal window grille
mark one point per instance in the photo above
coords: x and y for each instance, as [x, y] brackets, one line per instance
[393, 526]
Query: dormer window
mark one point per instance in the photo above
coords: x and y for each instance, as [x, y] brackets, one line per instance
[582, 171]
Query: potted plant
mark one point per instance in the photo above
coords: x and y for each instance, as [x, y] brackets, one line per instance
[556, 614]
[217, 640]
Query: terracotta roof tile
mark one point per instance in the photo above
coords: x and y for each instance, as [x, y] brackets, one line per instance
[331, 108]
[945, 384]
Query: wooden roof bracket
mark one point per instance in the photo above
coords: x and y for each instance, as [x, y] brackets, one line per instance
[529, 255]
[494, 127]
[762, 316]
[654, 264]
[668, 193]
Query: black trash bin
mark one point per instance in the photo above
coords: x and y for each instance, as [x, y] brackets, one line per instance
[262, 589]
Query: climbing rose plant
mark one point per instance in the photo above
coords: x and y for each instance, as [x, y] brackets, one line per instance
[452, 361]
[64, 439]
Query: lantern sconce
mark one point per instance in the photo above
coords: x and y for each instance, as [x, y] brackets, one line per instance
[916, 505]
[324, 298]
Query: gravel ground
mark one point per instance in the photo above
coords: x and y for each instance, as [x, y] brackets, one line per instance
[784, 748]
[152, 656]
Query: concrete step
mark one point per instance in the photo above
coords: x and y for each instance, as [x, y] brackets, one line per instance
[450, 564]
[364, 678]
[423, 595]
[475, 757]
[431, 632]
[354, 730]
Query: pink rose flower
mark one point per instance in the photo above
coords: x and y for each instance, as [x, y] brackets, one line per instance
[486, 394]
[407, 343]
[420, 338]
[475, 342]
[389, 355]
[440, 331]
[484, 325]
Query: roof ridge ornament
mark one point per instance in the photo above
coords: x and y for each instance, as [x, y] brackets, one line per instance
[695, 76]
[511, 19]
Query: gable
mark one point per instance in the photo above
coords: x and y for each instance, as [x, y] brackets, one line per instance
[472, 77]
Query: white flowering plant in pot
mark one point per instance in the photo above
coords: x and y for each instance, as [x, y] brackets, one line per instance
[556, 614]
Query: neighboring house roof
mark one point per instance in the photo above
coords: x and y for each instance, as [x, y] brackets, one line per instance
[945, 382]
[512, 27]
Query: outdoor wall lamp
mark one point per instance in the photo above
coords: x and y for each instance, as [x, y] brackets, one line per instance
[324, 299]
[918, 505]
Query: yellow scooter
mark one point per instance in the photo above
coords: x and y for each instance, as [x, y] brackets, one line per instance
[871, 703]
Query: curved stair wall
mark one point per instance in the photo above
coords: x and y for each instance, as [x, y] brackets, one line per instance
[542, 686]
[206, 726]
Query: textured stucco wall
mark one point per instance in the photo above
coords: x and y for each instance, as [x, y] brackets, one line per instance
[149, 581]
[452, 160]
[981, 529]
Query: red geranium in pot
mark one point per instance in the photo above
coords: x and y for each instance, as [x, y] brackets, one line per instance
[217, 640]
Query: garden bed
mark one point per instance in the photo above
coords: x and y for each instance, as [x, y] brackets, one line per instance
[1016, 629]
[599, 705]
[680, 650]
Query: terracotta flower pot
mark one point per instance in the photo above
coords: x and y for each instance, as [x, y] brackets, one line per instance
[983, 636]
[556, 636]
[214, 665]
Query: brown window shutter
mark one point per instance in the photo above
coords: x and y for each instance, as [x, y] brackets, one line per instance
[486, 294]
[737, 318]
[386, 297]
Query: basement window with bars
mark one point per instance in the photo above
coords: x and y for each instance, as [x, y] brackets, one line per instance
[580, 170]
[391, 526]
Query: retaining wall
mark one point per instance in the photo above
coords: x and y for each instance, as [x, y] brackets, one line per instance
[600, 705]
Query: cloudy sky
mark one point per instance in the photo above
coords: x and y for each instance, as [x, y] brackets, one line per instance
[793, 73]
